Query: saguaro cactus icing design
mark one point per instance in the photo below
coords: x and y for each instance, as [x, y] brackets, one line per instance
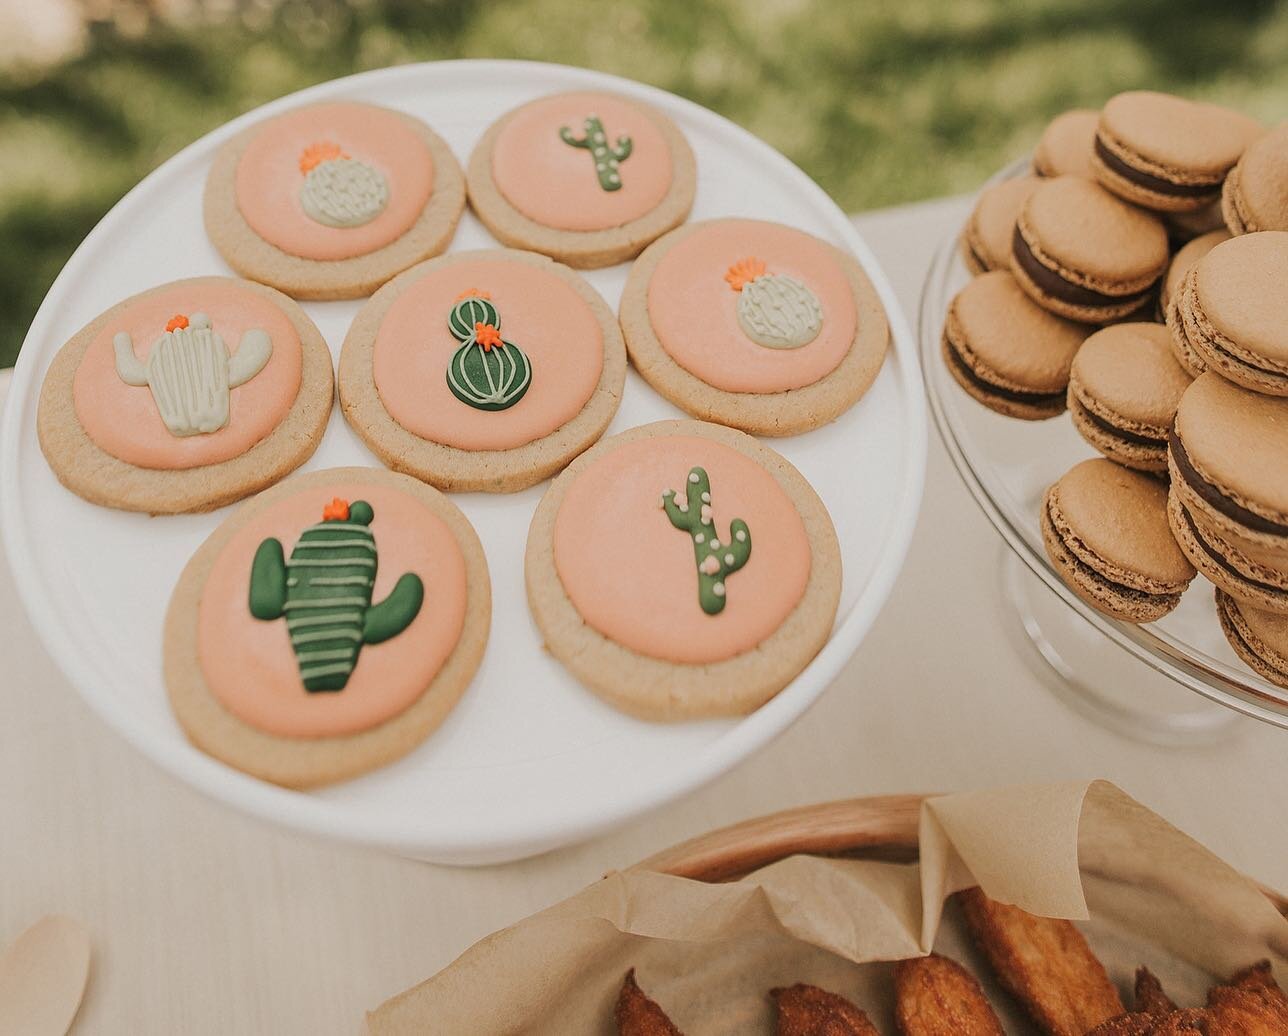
[716, 561]
[190, 371]
[774, 310]
[339, 191]
[606, 156]
[486, 372]
[324, 592]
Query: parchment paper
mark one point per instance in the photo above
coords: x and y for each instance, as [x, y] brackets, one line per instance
[709, 953]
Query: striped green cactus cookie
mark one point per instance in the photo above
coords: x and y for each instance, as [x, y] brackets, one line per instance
[486, 372]
[324, 593]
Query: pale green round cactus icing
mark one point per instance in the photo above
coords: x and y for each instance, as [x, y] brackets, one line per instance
[779, 312]
[344, 192]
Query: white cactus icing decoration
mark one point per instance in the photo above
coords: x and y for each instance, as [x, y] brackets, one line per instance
[190, 371]
[339, 191]
[774, 310]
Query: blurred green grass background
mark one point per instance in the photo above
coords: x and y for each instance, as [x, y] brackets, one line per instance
[881, 101]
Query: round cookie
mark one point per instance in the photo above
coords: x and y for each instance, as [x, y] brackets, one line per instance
[327, 627]
[683, 570]
[986, 238]
[1226, 461]
[330, 200]
[1007, 352]
[1246, 571]
[754, 325]
[1105, 530]
[1066, 145]
[482, 371]
[1232, 311]
[1259, 638]
[1084, 254]
[1124, 388]
[186, 397]
[1255, 194]
[586, 178]
[1168, 153]
[1186, 256]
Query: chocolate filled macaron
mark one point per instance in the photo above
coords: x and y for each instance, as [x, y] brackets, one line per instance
[1085, 254]
[1232, 311]
[1168, 153]
[1124, 388]
[1008, 353]
[1255, 195]
[1258, 637]
[1228, 460]
[1067, 144]
[1247, 571]
[1186, 256]
[986, 239]
[1105, 531]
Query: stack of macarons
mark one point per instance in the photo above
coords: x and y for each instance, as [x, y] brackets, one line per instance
[1137, 276]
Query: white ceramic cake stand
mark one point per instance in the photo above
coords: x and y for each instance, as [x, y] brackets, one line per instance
[529, 760]
[1136, 679]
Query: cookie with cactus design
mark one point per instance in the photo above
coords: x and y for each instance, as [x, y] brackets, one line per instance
[644, 581]
[329, 201]
[755, 325]
[186, 397]
[482, 371]
[328, 626]
[587, 178]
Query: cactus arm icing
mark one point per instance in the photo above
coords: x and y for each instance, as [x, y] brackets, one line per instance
[268, 581]
[605, 156]
[396, 612]
[131, 369]
[252, 354]
[716, 561]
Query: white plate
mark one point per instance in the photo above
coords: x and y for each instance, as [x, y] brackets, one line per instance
[529, 760]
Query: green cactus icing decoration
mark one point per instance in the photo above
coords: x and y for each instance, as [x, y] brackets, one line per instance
[606, 156]
[324, 592]
[716, 561]
[486, 372]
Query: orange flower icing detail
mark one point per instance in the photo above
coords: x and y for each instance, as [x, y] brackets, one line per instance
[744, 271]
[487, 336]
[176, 322]
[472, 293]
[315, 154]
[336, 511]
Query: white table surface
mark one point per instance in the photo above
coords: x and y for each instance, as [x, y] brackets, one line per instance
[208, 922]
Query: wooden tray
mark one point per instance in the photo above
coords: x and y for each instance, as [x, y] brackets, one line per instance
[878, 827]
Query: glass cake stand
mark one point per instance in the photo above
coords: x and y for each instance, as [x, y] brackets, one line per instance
[1135, 679]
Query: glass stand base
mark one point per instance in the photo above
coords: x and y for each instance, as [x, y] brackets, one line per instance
[1095, 677]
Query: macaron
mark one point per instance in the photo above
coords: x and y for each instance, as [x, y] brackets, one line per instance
[1085, 254]
[1259, 638]
[1124, 388]
[1186, 256]
[1255, 195]
[1232, 307]
[1008, 353]
[986, 238]
[1105, 531]
[1246, 571]
[1168, 153]
[1066, 145]
[1228, 461]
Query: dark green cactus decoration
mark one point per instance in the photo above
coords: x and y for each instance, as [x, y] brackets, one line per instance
[606, 156]
[324, 591]
[716, 561]
[486, 372]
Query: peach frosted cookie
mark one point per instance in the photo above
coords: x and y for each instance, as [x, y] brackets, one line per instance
[754, 325]
[328, 626]
[330, 200]
[683, 570]
[186, 397]
[586, 178]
